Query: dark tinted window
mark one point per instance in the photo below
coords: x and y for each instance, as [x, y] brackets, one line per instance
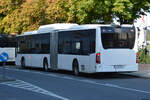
[35, 44]
[65, 42]
[45, 45]
[122, 37]
[81, 42]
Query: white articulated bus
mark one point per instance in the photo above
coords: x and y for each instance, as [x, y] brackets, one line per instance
[80, 48]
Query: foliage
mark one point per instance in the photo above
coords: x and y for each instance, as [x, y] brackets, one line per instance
[29, 17]
[8, 6]
[18, 16]
[144, 57]
[148, 35]
[84, 12]
[128, 10]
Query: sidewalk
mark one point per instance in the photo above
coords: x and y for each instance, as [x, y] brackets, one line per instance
[144, 71]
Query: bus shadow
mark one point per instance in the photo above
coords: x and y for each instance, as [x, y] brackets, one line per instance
[85, 75]
[99, 75]
[109, 76]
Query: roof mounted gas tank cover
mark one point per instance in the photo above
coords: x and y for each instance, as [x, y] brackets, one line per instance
[30, 32]
[122, 25]
[115, 25]
[57, 26]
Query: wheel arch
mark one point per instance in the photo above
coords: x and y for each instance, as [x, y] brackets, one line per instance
[45, 59]
[75, 60]
[22, 58]
[22, 62]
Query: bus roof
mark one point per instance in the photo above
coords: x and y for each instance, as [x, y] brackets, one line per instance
[99, 25]
[67, 26]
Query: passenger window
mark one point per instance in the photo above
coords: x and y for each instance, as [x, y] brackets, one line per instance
[68, 47]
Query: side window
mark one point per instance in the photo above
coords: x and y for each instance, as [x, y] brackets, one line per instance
[43, 43]
[79, 42]
[65, 42]
[92, 40]
[45, 46]
[83, 40]
[92, 46]
[29, 44]
[22, 46]
[60, 45]
[37, 46]
[32, 48]
[67, 47]
[34, 44]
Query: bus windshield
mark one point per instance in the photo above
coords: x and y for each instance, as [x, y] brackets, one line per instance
[118, 37]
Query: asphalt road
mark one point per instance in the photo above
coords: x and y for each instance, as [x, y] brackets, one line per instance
[35, 84]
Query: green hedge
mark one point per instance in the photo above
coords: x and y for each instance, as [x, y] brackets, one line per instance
[148, 35]
[143, 57]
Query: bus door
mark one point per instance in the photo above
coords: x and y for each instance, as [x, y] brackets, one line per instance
[53, 50]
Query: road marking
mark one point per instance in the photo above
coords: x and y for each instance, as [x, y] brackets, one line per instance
[30, 87]
[70, 78]
[86, 81]
[115, 86]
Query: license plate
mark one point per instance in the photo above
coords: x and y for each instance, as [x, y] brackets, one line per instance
[118, 66]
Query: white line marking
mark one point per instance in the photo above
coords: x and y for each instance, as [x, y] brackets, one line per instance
[53, 75]
[70, 78]
[87, 81]
[27, 86]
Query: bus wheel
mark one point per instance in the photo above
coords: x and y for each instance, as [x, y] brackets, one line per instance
[45, 65]
[75, 68]
[23, 63]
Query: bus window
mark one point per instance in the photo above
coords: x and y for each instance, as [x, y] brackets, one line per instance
[78, 42]
[45, 46]
[123, 37]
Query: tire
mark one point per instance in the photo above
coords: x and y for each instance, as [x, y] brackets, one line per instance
[45, 65]
[75, 68]
[23, 63]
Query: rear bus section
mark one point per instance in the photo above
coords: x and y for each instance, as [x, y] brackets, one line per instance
[117, 51]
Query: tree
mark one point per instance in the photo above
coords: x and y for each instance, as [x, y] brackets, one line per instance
[83, 11]
[18, 16]
[29, 17]
[8, 6]
[129, 10]
[57, 11]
